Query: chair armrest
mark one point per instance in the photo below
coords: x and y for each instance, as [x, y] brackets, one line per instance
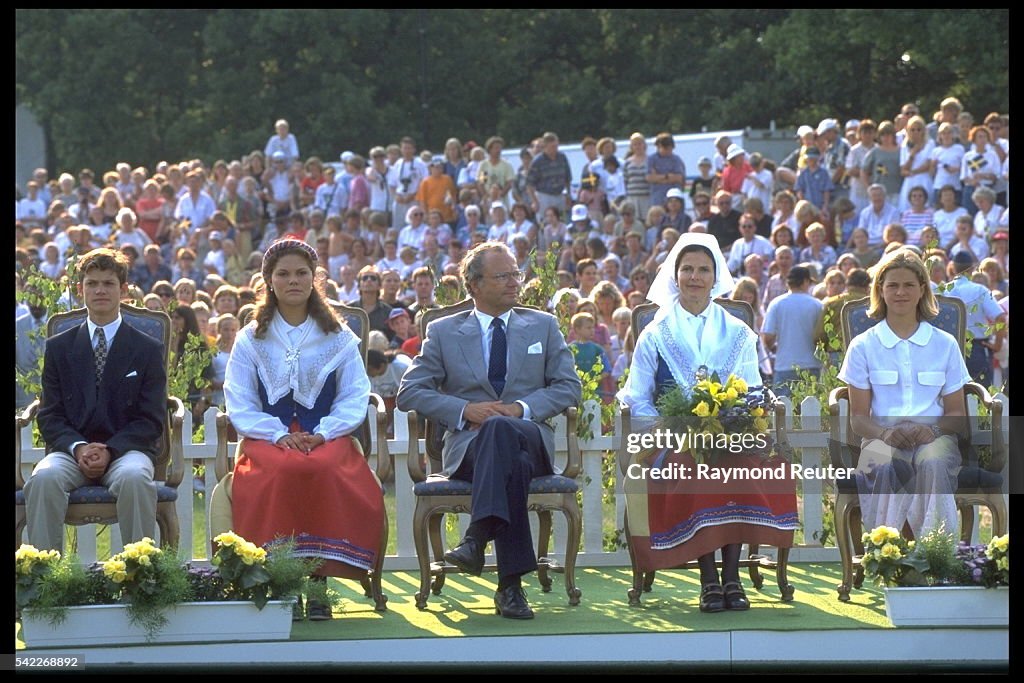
[995, 408]
[176, 466]
[20, 422]
[574, 462]
[626, 426]
[840, 452]
[416, 472]
[383, 455]
[220, 463]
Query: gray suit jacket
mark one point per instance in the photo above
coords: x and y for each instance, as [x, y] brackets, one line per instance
[450, 372]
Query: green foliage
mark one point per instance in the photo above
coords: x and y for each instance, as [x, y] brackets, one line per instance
[181, 76]
[544, 284]
[188, 373]
[938, 547]
[44, 292]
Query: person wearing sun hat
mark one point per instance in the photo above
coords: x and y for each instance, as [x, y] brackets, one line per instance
[692, 334]
[296, 390]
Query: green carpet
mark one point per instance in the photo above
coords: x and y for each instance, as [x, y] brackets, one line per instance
[465, 607]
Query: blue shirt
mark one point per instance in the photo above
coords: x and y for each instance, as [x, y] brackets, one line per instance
[658, 164]
[814, 185]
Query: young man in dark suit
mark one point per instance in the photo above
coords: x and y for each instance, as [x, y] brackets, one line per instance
[493, 390]
[102, 411]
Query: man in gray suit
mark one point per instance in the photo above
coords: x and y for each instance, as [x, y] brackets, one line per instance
[492, 390]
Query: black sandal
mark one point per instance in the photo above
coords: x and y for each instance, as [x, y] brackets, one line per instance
[712, 598]
[735, 598]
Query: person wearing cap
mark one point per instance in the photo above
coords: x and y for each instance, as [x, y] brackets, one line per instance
[833, 156]
[719, 161]
[665, 169]
[675, 216]
[788, 330]
[500, 226]
[692, 334]
[735, 172]
[864, 142]
[494, 171]
[282, 141]
[400, 324]
[404, 180]
[213, 262]
[549, 179]
[850, 132]
[296, 390]
[494, 408]
[814, 184]
[983, 316]
[1001, 249]
[580, 223]
[705, 179]
[796, 161]
[437, 191]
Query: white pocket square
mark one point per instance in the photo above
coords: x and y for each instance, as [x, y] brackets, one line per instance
[133, 373]
[535, 348]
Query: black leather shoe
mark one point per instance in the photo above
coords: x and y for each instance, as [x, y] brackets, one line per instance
[712, 598]
[318, 611]
[511, 603]
[735, 598]
[468, 556]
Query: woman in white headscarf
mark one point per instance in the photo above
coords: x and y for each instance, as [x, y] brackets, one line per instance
[691, 332]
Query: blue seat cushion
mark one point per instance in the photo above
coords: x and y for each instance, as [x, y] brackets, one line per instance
[971, 478]
[101, 494]
[552, 483]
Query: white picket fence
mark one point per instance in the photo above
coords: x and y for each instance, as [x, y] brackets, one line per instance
[810, 442]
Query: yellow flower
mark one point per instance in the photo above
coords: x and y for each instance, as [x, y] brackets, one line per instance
[702, 409]
[761, 424]
[144, 560]
[227, 539]
[113, 568]
[247, 559]
[738, 384]
[891, 551]
[118, 577]
[1003, 564]
[864, 537]
[757, 412]
[731, 394]
[999, 543]
[911, 545]
[882, 534]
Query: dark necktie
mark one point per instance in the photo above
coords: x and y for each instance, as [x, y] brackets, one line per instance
[100, 353]
[499, 348]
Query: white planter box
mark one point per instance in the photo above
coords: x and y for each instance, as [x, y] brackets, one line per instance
[948, 606]
[188, 622]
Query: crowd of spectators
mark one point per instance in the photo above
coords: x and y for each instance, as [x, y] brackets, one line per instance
[390, 228]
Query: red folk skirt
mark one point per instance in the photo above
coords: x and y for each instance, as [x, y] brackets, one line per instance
[329, 501]
[675, 520]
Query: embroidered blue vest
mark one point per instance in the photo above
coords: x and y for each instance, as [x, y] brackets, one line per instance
[287, 410]
[664, 382]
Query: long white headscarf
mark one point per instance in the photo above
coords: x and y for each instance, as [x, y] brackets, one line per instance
[665, 289]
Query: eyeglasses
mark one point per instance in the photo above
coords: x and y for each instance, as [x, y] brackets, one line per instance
[369, 278]
[516, 275]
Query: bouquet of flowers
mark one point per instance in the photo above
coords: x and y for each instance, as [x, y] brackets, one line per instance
[249, 573]
[720, 417]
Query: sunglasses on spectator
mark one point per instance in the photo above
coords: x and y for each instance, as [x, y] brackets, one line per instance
[371, 278]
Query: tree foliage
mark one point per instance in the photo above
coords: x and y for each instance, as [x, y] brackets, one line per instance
[151, 84]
